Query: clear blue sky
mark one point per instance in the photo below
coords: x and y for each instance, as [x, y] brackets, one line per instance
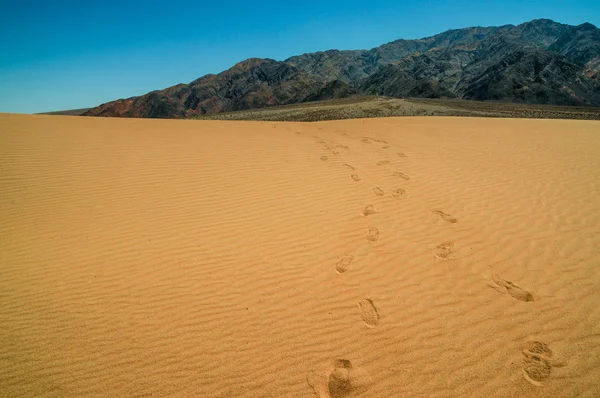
[58, 55]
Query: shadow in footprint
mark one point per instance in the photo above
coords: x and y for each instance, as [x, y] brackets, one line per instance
[341, 380]
[513, 290]
[346, 165]
[538, 361]
[536, 369]
[398, 192]
[444, 250]
[373, 235]
[339, 384]
[343, 263]
[401, 175]
[368, 313]
[446, 217]
[368, 210]
[378, 191]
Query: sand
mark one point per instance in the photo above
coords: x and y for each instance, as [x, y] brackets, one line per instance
[398, 257]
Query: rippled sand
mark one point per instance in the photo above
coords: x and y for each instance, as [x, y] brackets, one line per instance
[399, 257]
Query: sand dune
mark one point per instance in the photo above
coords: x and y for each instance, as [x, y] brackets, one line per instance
[400, 257]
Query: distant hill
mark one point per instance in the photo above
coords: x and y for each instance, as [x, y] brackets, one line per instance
[72, 112]
[537, 62]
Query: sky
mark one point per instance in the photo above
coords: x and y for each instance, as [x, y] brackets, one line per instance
[58, 55]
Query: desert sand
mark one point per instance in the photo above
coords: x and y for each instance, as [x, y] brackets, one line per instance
[396, 257]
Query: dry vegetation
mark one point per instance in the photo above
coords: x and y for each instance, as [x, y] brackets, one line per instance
[507, 109]
[371, 106]
[376, 106]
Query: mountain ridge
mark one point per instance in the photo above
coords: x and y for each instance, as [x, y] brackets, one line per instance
[537, 62]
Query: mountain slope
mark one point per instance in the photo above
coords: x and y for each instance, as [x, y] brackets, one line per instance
[253, 83]
[501, 67]
[537, 62]
[536, 77]
[351, 66]
[578, 43]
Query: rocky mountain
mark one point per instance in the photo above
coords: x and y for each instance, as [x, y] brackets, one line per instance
[538, 62]
[253, 83]
[509, 64]
[578, 43]
[351, 66]
[332, 90]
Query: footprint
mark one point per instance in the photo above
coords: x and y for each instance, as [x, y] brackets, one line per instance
[368, 210]
[368, 313]
[366, 140]
[324, 158]
[343, 263]
[538, 348]
[373, 235]
[396, 193]
[385, 147]
[444, 250]
[536, 369]
[402, 155]
[445, 217]
[537, 362]
[376, 140]
[355, 177]
[342, 146]
[401, 175]
[335, 152]
[382, 162]
[346, 165]
[342, 379]
[513, 290]
[378, 191]
[339, 384]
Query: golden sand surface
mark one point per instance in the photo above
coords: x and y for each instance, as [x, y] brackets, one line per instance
[396, 257]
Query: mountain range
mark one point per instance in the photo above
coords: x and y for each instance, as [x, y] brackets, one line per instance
[537, 62]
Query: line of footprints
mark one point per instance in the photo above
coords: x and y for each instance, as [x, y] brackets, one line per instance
[367, 309]
[537, 358]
